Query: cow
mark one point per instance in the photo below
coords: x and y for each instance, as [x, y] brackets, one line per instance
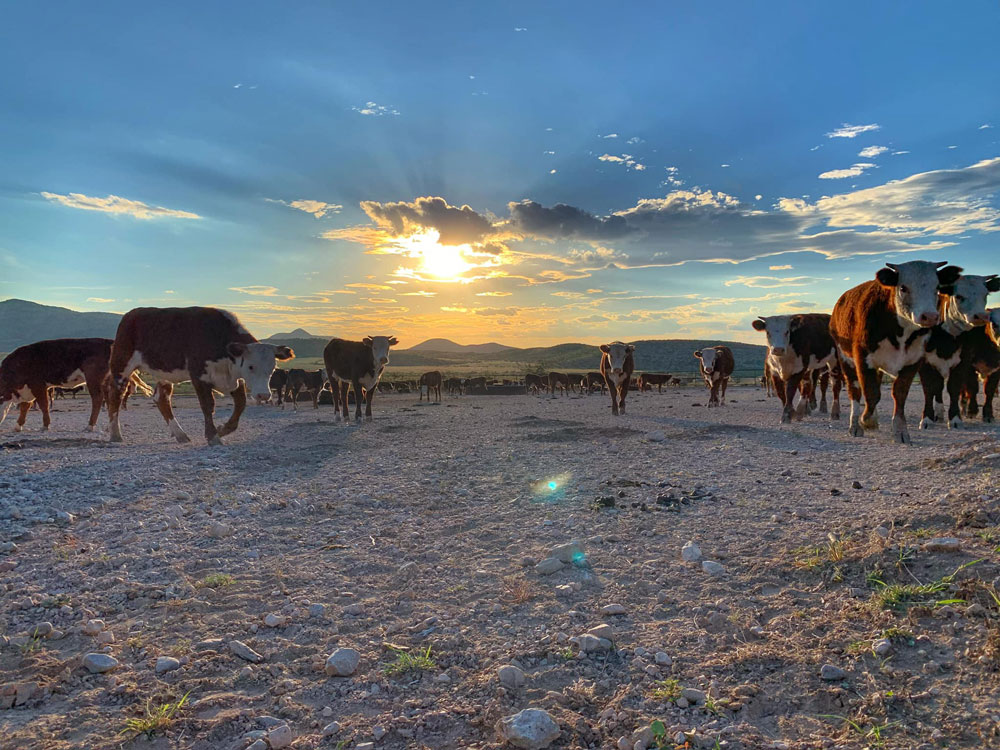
[617, 366]
[953, 344]
[432, 382]
[359, 364]
[648, 379]
[58, 392]
[475, 384]
[981, 349]
[534, 383]
[278, 384]
[595, 380]
[799, 347]
[883, 326]
[716, 364]
[204, 345]
[309, 380]
[561, 380]
[453, 386]
[29, 372]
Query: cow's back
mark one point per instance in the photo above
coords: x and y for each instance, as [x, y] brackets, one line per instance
[54, 360]
[862, 316]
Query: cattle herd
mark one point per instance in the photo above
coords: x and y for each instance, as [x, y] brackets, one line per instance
[914, 318]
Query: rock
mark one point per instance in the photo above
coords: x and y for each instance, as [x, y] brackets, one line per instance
[943, 544]
[643, 738]
[656, 437]
[713, 568]
[166, 664]
[691, 552]
[881, 647]
[603, 631]
[589, 643]
[242, 650]
[365, 746]
[105, 638]
[378, 732]
[212, 644]
[274, 621]
[549, 565]
[99, 663]
[663, 659]
[831, 673]
[856, 484]
[612, 610]
[317, 610]
[257, 745]
[882, 531]
[331, 729]
[682, 702]
[510, 676]
[695, 696]
[624, 744]
[92, 627]
[571, 553]
[42, 630]
[343, 662]
[279, 737]
[530, 729]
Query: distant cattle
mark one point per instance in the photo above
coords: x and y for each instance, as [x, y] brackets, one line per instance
[560, 380]
[58, 392]
[359, 364]
[432, 382]
[28, 372]
[648, 379]
[534, 383]
[475, 384]
[595, 380]
[617, 365]
[797, 347]
[453, 386]
[278, 383]
[954, 344]
[716, 365]
[675, 381]
[883, 325]
[304, 380]
[204, 345]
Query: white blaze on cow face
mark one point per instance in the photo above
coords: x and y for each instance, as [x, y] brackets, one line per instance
[617, 354]
[380, 349]
[707, 357]
[778, 329]
[915, 289]
[966, 301]
[254, 364]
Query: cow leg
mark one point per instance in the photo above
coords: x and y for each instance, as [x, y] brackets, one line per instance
[622, 393]
[370, 396]
[164, 396]
[96, 401]
[870, 382]
[788, 398]
[989, 391]
[42, 399]
[779, 387]
[900, 389]
[850, 376]
[206, 399]
[295, 398]
[806, 396]
[358, 397]
[239, 404]
[957, 379]
[835, 405]
[22, 414]
[612, 388]
[724, 385]
[932, 384]
[972, 388]
[316, 397]
[344, 387]
[824, 384]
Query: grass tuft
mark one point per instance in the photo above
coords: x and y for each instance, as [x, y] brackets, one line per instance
[217, 580]
[154, 720]
[406, 662]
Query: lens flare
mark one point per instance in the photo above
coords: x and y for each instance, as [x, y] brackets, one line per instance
[550, 489]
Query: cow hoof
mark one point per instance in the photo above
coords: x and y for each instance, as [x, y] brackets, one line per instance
[925, 424]
[182, 438]
[44, 429]
[18, 428]
[856, 430]
[834, 413]
[987, 418]
[870, 424]
[226, 430]
[786, 419]
[903, 437]
[116, 439]
[955, 423]
[215, 440]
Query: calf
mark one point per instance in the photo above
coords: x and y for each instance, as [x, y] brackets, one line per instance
[309, 380]
[453, 386]
[204, 345]
[953, 345]
[883, 325]
[716, 364]
[617, 366]
[534, 383]
[561, 380]
[648, 379]
[359, 364]
[432, 382]
[799, 346]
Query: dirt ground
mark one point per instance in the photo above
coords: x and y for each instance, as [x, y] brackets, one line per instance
[414, 540]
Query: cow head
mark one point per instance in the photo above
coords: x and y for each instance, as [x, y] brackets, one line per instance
[380, 348]
[965, 300]
[779, 330]
[617, 354]
[915, 288]
[707, 357]
[254, 363]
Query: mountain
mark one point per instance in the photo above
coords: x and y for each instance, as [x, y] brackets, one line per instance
[447, 345]
[23, 322]
[298, 333]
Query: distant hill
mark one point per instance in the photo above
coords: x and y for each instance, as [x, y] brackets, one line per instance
[447, 345]
[298, 333]
[23, 322]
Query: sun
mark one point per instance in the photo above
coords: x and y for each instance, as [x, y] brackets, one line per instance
[443, 262]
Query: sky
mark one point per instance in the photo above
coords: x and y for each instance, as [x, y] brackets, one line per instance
[527, 173]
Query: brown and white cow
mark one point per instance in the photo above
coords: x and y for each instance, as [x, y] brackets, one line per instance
[535, 383]
[595, 380]
[981, 350]
[883, 326]
[278, 383]
[797, 347]
[953, 344]
[648, 379]
[617, 366]
[359, 364]
[453, 386]
[560, 380]
[432, 382]
[303, 380]
[204, 345]
[716, 364]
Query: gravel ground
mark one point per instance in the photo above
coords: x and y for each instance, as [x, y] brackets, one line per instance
[423, 529]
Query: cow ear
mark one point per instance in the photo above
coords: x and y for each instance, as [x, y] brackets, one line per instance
[948, 275]
[393, 341]
[236, 349]
[795, 322]
[888, 277]
[605, 348]
[630, 348]
[993, 283]
[283, 353]
[697, 354]
[367, 341]
[759, 325]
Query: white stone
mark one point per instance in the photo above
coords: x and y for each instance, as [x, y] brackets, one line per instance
[713, 568]
[530, 729]
[549, 566]
[279, 737]
[612, 610]
[691, 552]
[510, 676]
[343, 662]
[166, 664]
[99, 663]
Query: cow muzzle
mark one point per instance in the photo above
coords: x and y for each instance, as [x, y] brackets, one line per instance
[778, 351]
[618, 371]
[929, 319]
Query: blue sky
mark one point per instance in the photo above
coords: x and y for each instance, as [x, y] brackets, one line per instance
[521, 172]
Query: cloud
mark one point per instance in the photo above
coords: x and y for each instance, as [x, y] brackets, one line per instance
[785, 267]
[773, 282]
[365, 285]
[114, 204]
[870, 152]
[564, 222]
[493, 294]
[986, 126]
[102, 300]
[372, 109]
[899, 153]
[256, 291]
[852, 131]
[418, 294]
[609, 135]
[854, 171]
[319, 209]
[457, 225]
[626, 159]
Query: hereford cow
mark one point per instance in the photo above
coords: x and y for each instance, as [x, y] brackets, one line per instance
[453, 386]
[648, 379]
[304, 380]
[560, 380]
[475, 384]
[981, 349]
[278, 383]
[595, 380]
[359, 364]
[204, 345]
[953, 344]
[432, 382]
[617, 366]
[883, 325]
[797, 347]
[716, 364]
[534, 383]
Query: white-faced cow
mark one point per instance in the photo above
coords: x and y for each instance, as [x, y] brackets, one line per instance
[304, 380]
[431, 382]
[359, 364]
[797, 347]
[716, 364]
[953, 344]
[617, 366]
[561, 381]
[204, 345]
[883, 325]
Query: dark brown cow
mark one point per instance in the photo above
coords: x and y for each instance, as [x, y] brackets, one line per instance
[648, 379]
[883, 325]
[716, 364]
[359, 364]
[560, 380]
[299, 380]
[595, 380]
[475, 384]
[28, 372]
[432, 382]
[617, 366]
[534, 383]
[204, 345]
[453, 386]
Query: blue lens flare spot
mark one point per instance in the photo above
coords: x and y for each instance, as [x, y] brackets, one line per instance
[553, 485]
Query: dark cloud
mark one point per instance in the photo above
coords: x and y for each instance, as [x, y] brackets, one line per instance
[565, 222]
[456, 225]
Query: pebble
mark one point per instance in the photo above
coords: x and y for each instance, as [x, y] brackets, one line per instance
[603, 631]
[317, 610]
[93, 627]
[882, 646]
[549, 565]
[943, 544]
[589, 643]
[365, 746]
[99, 663]
[656, 437]
[510, 676]
[331, 729]
[378, 732]
[258, 745]
[530, 729]
[713, 568]
[242, 650]
[279, 737]
[274, 621]
[693, 695]
[355, 610]
[663, 659]
[691, 552]
[882, 531]
[612, 610]
[167, 664]
[42, 630]
[831, 673]
[568, 553]
[343, 662]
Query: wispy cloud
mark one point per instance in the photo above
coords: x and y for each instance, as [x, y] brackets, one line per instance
[114, 204]
[773, 282]
[256, 291]
[626, 159]
[985, 126]
[100, 300]
[319, 209]
[870, 152]
[785, 267]
[373, 109]
[852, 131]
[854, 170]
